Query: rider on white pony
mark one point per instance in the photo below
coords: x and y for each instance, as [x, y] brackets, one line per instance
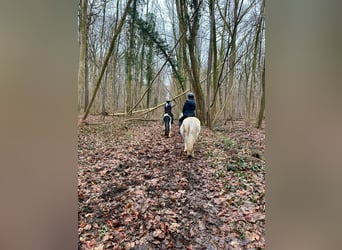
[189, 108]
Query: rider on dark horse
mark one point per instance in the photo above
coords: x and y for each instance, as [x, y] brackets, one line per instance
[189, 108]
[168, 109]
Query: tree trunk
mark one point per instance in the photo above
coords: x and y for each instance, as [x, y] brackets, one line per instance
[86, 80]
[104, 85]
[232, 59]
[224, 34]
[104, 66]
[195, 81]
[215, 67]
[212, 61]
[181, 52]
[130, 55]
[254, 65]
[193, 68]
[149, 73]
[83, 51]
[262, 106]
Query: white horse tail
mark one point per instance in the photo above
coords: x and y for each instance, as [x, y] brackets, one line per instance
[190, 130]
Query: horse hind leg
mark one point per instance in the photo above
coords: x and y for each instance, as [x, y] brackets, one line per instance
[169, 128]
[190, 152]
[185, 147]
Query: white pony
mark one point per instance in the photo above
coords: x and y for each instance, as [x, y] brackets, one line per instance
[190, 129]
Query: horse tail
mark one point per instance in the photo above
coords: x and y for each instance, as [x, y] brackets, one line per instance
[167, 122]
[190, 130]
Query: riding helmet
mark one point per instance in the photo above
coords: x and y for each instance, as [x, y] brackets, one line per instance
[191, 95]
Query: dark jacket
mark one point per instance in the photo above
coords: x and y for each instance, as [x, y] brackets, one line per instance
[189, 108]
[168, 108]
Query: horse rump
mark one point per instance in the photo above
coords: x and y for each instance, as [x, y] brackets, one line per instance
[167, 124]
[190, 129]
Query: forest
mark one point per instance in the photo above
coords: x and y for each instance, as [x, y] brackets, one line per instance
[135, 54]
[137, 189]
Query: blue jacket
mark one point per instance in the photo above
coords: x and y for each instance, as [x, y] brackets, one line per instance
[189, 107]
[168, 108]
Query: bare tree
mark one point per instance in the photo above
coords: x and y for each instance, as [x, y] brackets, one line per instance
[212, 65]
[186, 10]
[109, 53]
[254, 63]
[262, 105]
[83, 50]
[217, 52]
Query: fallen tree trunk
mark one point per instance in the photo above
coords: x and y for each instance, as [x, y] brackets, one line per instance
[138, 112]
[146, 111]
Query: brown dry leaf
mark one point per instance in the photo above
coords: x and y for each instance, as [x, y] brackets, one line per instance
[193, 231]
[158, 234]
[100, 247]
[201, 225]
[129, 245]
[252, 236]
[90, 243]
[83, 224]
[170, 212]
[257, 217]
[145, 190]
[139, 192]
[174, 227]
[129, 205]
[163, 227]
[107, 236]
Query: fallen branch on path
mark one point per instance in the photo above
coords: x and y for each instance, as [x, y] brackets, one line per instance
[141, 119]
[146, 111]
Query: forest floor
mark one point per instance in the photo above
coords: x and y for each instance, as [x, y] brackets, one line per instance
[138, 190]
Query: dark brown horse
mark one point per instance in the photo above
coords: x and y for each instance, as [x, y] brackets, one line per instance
[167, 123]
